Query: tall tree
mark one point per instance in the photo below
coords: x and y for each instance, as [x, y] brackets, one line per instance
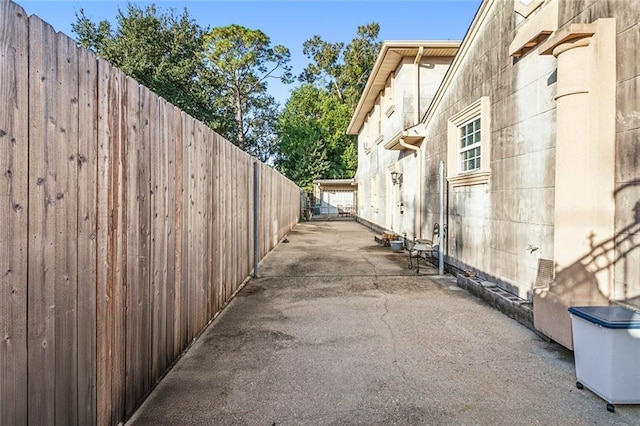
[343, 70]
[311, 139]
[238, 62]
[160, 50]
[312, 128]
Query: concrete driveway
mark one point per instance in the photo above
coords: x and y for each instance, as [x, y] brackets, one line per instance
[338, 331]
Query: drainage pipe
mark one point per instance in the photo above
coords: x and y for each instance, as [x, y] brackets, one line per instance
[418, 220]
[441, 227]
[416, 61]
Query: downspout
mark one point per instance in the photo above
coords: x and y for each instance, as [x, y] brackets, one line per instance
[418, 221]
[441, 235]
[416, 61]
[416, 149]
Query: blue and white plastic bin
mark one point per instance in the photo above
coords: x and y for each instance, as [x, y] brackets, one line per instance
[606, 344]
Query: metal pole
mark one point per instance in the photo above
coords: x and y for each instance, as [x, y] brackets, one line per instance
[255, 220]
[441, 228]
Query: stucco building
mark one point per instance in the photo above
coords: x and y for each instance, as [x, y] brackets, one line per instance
[534, 118]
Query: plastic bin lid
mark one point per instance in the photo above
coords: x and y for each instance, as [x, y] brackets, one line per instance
[608, 316]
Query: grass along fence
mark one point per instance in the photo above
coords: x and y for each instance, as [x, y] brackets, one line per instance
[126, 227]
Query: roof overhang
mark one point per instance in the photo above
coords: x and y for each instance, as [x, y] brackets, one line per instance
[391, 54]
[412, 137]
[336, 184]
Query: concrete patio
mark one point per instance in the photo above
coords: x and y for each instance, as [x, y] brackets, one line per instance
[338, 331]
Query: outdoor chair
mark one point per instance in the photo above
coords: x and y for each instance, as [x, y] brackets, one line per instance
[424, 250]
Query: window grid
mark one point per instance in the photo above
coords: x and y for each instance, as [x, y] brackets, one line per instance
[470, 137]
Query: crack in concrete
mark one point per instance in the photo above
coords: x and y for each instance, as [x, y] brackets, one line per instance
[376, 285]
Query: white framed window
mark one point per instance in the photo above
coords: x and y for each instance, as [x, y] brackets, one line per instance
[469, 145]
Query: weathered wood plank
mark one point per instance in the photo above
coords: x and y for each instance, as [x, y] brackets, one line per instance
[200, 270]
[43, 242]
[217, 221]
[187, 240]
[131, 239]
[87, 232]
[105, 242]
[166, 113]
[205, 194]
[159, 235]
[119, 255]
[14, 154]
[148, 108]
[65, 206]
[235, 222]
[136, 184]
[226, 252]
[211, 290]
[178, 136]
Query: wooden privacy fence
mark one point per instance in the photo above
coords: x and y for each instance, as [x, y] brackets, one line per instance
[126, 225]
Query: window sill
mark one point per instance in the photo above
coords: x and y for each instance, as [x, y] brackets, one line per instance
[467, 179]
[379, 139]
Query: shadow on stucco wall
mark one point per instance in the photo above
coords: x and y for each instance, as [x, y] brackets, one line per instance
[578, 282]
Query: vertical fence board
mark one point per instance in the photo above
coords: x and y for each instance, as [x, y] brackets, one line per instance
[226, 249]
[104, 287]
[160, 233]
[140, 230]
[119, 254]
[166, 113]
[201, 272]
[179, 217]
[218, 223]
[42, 224]
[131, 239]
[65, 206]
[210, 225]
[14, 154]
[148, 106]
[87, 233]
[185, 323]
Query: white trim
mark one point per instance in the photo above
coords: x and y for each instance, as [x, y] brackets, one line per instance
[478, 109]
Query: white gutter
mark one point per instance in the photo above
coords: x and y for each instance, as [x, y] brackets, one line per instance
[418, 218]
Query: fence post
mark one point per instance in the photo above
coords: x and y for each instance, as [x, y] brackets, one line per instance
[255, 219]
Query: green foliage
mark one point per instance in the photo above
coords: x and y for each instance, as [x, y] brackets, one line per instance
[312, 143]
[159, 50]
[238, 61]
[342, 70]
[220, 76]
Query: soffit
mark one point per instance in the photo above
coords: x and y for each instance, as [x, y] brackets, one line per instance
[391, 54]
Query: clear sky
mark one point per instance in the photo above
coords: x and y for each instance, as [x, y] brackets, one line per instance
[290, 22]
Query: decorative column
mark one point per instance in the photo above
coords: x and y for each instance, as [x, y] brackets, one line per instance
[584, 175]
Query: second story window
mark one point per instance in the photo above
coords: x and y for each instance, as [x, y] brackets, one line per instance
[470, 138]
[469, 145]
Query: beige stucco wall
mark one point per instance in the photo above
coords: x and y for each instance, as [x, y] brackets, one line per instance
[502, 228]
[396, 208]
[492, 225]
